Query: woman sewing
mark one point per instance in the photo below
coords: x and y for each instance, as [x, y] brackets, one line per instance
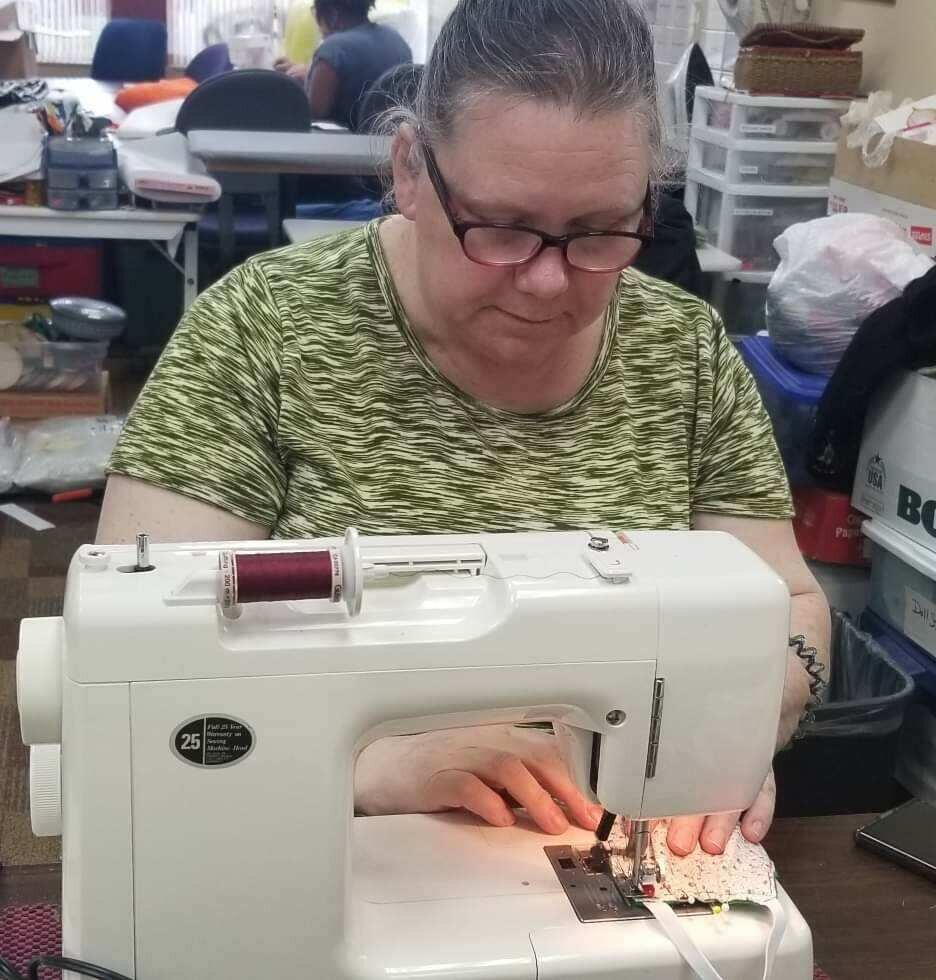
[485, 359]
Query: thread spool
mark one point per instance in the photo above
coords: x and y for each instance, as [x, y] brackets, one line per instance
[279, 576]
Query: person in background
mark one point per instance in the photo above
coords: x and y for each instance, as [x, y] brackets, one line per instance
[353, 54]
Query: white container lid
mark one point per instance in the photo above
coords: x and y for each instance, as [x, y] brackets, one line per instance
[713, 94]
[906, 549]
[717, 183]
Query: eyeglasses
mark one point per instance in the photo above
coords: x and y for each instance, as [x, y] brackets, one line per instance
[504, 245]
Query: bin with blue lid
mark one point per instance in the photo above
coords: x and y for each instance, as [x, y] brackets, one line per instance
[916, 757]
[791, 398]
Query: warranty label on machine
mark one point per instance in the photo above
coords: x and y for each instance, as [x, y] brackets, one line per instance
[212, 740]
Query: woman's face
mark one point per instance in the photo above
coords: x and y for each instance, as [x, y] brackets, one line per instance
[532, 163]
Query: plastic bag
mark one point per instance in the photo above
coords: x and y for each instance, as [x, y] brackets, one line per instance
[9, 455]
[65, 453]
[833, 273]
[874, 125]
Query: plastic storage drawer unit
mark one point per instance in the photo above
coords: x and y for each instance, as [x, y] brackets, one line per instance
[758, 162]
[81, 200]
[81, 174]
[903, 584]
[790, 397]
[768, 117]
[744, 220]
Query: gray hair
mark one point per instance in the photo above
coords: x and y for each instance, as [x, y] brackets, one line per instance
[593, 56]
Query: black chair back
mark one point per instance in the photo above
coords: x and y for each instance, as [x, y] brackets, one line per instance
[395, 87]
[249, 99]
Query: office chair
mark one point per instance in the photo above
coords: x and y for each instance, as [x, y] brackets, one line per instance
[397, 86]
[130, 51]
[251, 99]
[210, 61]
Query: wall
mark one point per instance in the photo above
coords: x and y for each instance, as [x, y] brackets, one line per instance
[438, 11]
[147, 9]
[899, 46]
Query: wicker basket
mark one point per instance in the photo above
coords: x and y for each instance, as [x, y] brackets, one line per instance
[799, 60]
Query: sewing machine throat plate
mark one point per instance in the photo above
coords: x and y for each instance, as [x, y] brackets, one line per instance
[593, 890]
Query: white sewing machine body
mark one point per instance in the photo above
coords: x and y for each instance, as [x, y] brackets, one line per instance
[207, 759]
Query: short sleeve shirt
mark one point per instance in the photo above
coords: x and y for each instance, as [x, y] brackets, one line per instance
[359, 56]
[296, 395]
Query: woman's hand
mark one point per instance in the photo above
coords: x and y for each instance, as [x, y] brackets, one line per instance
[470, 769]
[294, 71]
[712, 833]
[473, 768]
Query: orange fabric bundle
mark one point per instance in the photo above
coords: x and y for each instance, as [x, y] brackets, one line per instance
[146, 93]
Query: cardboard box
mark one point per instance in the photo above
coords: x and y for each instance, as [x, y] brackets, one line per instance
[827, 527]
[895, 480]
[917, 223]
[904, 189]
[51, 404]
[17, 47]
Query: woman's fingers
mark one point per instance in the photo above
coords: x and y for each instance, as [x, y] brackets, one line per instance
[474, 791]
[553, 776]
[716, 830]
[757, 819]
[475, 770]
[683, 834]
[711, 833]
[510, 772]
[454, 789]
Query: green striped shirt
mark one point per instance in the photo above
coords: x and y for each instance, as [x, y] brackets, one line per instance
[295, 394]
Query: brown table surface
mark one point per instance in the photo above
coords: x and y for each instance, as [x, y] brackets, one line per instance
[870, 919]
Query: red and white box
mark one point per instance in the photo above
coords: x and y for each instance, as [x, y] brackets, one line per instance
[827, 527]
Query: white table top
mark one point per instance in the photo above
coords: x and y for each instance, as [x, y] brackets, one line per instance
[124, 223]
[316, 151]
[305, 229]
[713, 259]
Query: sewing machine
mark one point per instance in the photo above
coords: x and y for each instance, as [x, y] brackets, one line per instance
[195, 715]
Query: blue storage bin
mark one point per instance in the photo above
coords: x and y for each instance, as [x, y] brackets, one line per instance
[920, 665]
[790, 397]
[915, 768]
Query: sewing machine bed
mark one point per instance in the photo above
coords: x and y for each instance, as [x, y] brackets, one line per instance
[444, 896]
